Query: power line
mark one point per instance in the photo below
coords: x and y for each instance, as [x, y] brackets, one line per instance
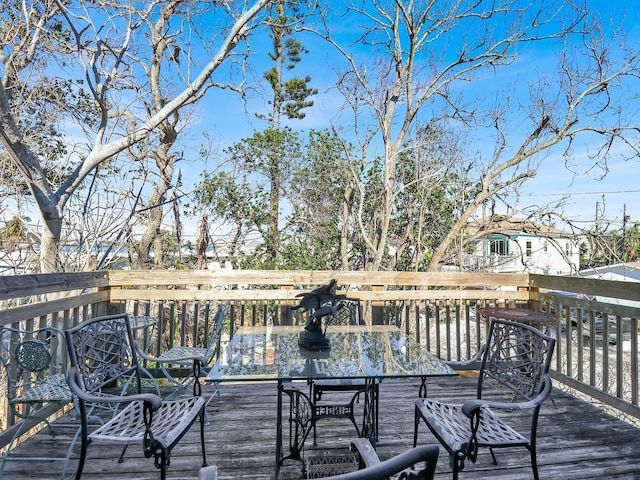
[581, 193]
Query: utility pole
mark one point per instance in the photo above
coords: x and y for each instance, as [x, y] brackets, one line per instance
[595, 251]
[484, 239]
[625, 218]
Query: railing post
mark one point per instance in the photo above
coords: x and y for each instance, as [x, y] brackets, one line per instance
[286, 317]
[377, 307]
[531, 304]
[110, 307]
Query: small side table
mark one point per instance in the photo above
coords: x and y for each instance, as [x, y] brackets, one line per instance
[535, 318]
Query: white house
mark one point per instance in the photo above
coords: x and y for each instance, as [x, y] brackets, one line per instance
[512, 245]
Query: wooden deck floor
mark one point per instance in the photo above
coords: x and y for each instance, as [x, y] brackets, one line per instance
[576, 441]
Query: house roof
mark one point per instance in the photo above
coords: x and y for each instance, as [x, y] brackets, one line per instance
[624, 272]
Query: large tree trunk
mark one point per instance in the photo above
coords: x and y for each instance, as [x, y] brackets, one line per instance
[49, 251]
[156, 214]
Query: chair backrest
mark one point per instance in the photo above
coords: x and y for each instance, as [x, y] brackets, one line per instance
[517, 356]
[101, 349]
[341, 311]
[213, 342]
[31, 357]
[351, 312]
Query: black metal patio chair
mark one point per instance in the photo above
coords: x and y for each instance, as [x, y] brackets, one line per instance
[306, 410]
[349, 312]
[517, 357]
[35, 365]
[103, 353]
[335, 309]
[180, 358]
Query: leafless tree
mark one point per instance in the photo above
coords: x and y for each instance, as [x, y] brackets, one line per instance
[418, 63]
[96, 54]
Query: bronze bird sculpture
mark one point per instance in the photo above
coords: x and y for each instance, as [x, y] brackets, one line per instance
[317, 297]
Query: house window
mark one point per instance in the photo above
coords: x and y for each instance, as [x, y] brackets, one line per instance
[529, 248]
[567, 249]
[545, 246]
[498, 247]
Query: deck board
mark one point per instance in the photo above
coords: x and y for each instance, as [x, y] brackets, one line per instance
[576, 440]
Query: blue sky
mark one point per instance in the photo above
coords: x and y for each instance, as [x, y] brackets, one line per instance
[589, 188]
[585, 187]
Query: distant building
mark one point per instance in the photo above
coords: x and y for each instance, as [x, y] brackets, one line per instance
[512, 245]
[620, 272]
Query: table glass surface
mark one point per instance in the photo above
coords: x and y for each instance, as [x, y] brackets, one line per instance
[272, 353]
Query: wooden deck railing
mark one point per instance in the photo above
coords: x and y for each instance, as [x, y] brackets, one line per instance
[437, 309]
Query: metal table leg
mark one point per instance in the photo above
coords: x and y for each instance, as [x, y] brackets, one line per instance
[422, 391]
[370, 420]
[300, 419]
[279, 431]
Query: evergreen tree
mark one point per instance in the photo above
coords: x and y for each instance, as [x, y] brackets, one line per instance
[289, 97]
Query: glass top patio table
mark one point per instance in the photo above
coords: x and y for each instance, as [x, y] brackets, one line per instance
[370, 353]
[272, 353]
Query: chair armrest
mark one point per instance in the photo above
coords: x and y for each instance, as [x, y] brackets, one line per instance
[75, 386]
[383, 470]
[148, 358]
[471, 407]
[367, 452]
[473, 363]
